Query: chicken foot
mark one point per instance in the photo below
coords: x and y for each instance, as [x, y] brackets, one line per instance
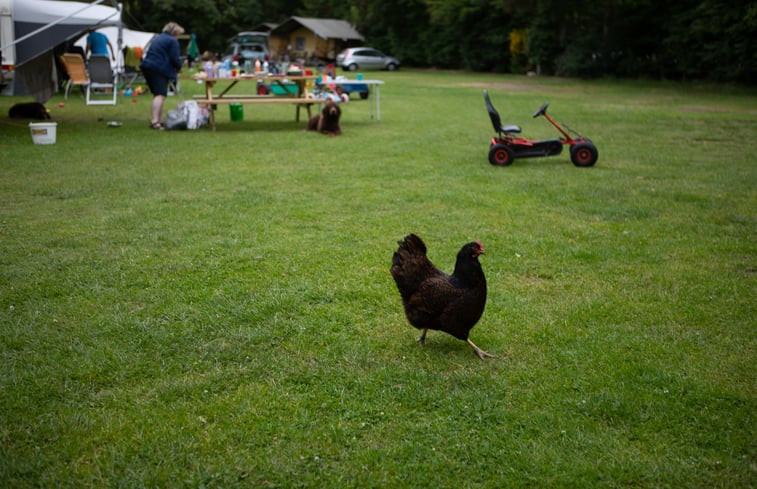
[481, 353]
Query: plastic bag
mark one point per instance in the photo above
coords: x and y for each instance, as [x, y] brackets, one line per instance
[187, 115]
[197, 116]
[175, 119]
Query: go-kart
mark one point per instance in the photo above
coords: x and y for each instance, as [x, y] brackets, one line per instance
[505, 147]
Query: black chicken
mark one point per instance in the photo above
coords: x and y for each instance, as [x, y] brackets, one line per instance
[435, 300]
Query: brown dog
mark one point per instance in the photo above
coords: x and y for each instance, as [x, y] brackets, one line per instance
[327, 122]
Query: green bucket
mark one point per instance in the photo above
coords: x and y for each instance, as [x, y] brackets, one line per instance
[236, 112]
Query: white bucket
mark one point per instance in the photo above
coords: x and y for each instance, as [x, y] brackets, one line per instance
[43, 132]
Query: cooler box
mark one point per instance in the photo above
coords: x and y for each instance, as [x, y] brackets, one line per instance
[287, 89]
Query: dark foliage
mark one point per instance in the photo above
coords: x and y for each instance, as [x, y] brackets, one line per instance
[687, 39]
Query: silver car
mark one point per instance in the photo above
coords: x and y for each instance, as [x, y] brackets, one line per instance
[247, 46]
[366, 59]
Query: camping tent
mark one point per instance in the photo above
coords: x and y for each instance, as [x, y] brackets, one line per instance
[30, 29]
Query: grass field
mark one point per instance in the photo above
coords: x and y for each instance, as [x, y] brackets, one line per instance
[198, 309]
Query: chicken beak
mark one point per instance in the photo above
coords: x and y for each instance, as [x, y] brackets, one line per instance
[480, 248]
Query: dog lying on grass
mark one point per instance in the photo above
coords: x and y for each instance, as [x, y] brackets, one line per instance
[327, 122]
[29, 110]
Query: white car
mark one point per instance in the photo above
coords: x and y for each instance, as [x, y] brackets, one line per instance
[353, 59]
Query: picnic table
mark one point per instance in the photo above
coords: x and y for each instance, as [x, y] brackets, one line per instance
[293, 89]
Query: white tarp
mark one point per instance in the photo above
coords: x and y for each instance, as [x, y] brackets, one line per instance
[55, 22]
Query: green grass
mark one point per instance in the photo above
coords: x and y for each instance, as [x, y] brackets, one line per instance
[198, 309]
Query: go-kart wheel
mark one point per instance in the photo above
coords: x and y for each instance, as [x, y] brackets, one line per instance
[584, 154]
[501, 155]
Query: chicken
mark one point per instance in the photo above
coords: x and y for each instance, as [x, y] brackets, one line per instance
[434, 300]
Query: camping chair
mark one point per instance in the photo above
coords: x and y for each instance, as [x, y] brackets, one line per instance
[131, 73]
[101, 79]
[77, 72]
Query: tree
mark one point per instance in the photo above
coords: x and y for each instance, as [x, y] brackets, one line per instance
[714, 39]
[692, 39]
[214, 22]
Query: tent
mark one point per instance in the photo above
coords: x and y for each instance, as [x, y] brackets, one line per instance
[31, 29]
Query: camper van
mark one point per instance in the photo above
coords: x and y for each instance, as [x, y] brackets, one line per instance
[8, 51]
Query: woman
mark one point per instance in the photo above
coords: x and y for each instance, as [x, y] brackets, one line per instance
[159, 66]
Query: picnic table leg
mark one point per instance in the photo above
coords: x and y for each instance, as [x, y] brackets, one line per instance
[307, 107]
[371, 99]
[211, 108]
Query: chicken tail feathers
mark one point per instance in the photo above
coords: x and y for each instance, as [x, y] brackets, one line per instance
[410, 266]
[413, 244]
[411, 247]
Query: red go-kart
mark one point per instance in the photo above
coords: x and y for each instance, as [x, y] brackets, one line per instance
[505, 147]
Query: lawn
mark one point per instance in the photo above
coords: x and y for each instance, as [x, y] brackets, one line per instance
[199, 309]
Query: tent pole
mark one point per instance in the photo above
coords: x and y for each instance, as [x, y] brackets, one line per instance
[120, 42]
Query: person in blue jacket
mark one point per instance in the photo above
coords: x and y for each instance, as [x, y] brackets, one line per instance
[98, 43]
[159, 66]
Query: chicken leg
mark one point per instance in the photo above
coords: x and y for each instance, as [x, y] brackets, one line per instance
[422, 338]
[481, 353]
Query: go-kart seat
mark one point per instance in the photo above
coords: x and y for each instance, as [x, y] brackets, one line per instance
[494, 116]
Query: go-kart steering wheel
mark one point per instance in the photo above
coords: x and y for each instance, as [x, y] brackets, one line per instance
[542, 110]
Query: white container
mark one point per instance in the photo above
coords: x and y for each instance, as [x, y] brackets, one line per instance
[43, 132]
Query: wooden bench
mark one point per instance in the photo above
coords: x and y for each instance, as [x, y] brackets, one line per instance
[256, 99]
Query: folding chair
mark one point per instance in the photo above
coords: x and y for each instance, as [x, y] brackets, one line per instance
[174, 88]
[77, 71]
[131, 74]
[102, 80]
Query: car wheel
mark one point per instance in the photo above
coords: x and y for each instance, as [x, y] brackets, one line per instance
[352, 67]
[391, 67]
[584, 154]
[500, 155]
